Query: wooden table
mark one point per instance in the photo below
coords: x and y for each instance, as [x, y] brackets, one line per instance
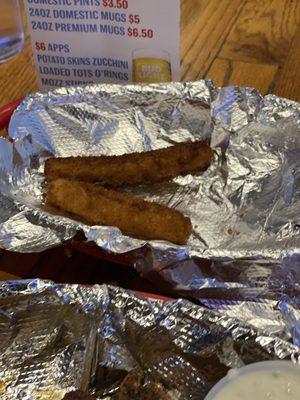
[252, 43]
[234, 42]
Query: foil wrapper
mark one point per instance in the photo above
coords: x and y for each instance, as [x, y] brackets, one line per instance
[46, 344]
[245, 205]
[57, 338]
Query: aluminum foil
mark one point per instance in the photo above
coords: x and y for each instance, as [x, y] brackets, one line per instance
[46, 345]
[245, 205]
[57, 338]
[252, 290]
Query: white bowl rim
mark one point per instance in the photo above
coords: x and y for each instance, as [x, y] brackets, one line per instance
[233, 374]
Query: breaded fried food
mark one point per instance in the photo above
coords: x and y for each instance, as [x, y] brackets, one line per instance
[78, 395]
[134, 168]
[134, 387]
[133, 216]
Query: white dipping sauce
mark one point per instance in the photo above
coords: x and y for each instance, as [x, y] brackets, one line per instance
[262, 385]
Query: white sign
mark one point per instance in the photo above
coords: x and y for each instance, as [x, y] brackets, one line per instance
[83, 41]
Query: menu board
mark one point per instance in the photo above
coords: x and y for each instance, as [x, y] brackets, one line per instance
[118, 41]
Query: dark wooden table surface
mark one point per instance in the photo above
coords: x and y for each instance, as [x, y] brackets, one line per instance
[252, 43]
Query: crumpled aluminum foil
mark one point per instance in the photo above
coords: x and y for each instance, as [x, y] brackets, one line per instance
[246, 205]
[47, 346]
[49, 334]
[251, 290]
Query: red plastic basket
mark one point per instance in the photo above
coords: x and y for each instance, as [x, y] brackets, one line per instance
[87, 248]
[6, 112]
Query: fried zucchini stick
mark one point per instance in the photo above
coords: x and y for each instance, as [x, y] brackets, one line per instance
[133, 216]
[134, 168]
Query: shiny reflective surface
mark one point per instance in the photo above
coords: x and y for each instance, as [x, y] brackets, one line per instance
[246, 205]
[48, 346]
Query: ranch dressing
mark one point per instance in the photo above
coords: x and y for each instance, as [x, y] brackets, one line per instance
[262, 385]
[264, 380]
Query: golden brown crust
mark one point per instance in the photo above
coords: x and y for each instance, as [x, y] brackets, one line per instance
[78, 395]
[133, 216]
[133, 387]
[134, 168]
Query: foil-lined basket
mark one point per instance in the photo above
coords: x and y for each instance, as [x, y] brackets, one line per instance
[58, 338]
[245, 208]
[245, 205]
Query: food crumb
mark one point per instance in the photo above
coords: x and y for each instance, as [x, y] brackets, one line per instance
[275, 374]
